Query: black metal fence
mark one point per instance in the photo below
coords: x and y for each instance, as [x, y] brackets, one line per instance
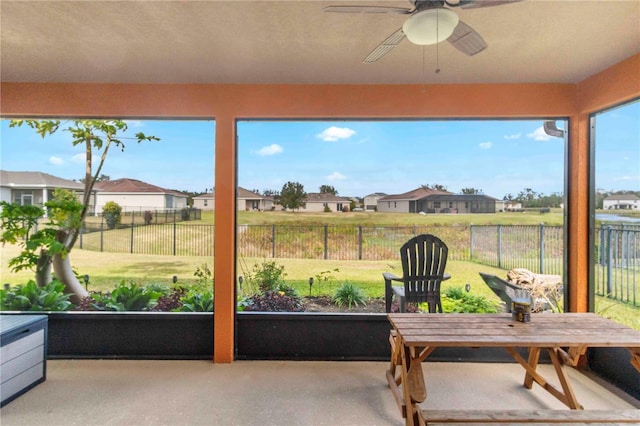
[539, 248]
[617, 263]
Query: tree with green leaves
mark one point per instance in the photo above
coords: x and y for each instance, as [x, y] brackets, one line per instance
[292, 196]
[436, 187]
[471, 191]
[51, 246]
[328, 189]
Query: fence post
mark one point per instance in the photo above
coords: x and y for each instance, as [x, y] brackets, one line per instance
[174, 238]
[326, 240]
[609, 254]
[273, 241]
[131, 245]
[81, 228]
[359, 242]
[471, 241]
[500, 246]
[102, 234]
[541, 236]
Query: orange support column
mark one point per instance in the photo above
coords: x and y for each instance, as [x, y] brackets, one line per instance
[225, 240]
[578, 256]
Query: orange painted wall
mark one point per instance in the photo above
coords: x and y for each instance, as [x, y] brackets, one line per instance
[228, 103]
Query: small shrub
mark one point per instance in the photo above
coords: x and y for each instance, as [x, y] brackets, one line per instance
[274, 301]
[30, 297]
[456, 299]
[268, 275]
[327, 209]
[348, 294]
[111, 212]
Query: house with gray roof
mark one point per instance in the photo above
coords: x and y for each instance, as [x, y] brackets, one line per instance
[36, 188]
[408, 202]
[246, 200]
[136, 195]
[459, 203]
[318, 201]
[371, 200]
[622, 202]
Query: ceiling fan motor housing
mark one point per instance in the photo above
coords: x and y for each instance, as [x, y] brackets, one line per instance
[430, 26]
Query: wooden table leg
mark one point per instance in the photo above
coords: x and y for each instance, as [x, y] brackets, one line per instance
[566, 396]
[534, 356]
[569, 396]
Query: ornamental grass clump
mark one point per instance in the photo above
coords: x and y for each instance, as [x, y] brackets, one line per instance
[349, 295]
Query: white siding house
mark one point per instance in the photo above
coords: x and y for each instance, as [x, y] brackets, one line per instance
[35, 188]
[316, 202]
[246, 200]
[135, 195]
[622, 202]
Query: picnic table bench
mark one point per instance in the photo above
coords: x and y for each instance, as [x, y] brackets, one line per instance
[565, 337]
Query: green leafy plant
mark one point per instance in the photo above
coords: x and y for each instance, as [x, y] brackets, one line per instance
[127, 297]
[204, 278]
[195, 301]
[349, 295]
[456, 299]
[30, 297]
[112, 214]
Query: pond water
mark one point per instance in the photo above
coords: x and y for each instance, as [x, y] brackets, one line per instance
[606, 217]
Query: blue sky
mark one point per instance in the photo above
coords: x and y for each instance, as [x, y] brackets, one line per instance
[356, 157]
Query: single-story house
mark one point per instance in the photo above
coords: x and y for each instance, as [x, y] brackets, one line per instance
[36, 188]
[135, 195]
[459, 203]
[409, 202]
[621, 202]
[371, 200]
[316, 202]
[508, 206]
[245, 200]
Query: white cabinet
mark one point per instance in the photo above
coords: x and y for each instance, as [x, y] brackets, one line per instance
[23, 353]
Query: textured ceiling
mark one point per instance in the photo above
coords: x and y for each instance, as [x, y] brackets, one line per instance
[296, 42]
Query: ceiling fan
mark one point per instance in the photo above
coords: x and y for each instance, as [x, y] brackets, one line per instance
[429, 22]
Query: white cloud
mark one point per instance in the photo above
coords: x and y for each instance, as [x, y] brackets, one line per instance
[270, 150]
[485, 145]
[79, 158]
[513, 136]
[135, 123]
[56, 161]
[539, 135]
[336, 176]
[333, 134]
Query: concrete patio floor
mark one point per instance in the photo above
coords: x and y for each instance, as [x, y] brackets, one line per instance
[125, 392]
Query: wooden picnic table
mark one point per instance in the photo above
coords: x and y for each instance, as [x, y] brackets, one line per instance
[565, 337]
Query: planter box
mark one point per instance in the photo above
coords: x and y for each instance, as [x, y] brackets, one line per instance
[23, 349]
[262, 335]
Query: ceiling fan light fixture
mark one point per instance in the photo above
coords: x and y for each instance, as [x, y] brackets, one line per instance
[430, 26]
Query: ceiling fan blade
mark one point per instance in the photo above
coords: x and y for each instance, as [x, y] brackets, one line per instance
[477, 4]
[467, 40]
[368, 9]
[385, 47]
